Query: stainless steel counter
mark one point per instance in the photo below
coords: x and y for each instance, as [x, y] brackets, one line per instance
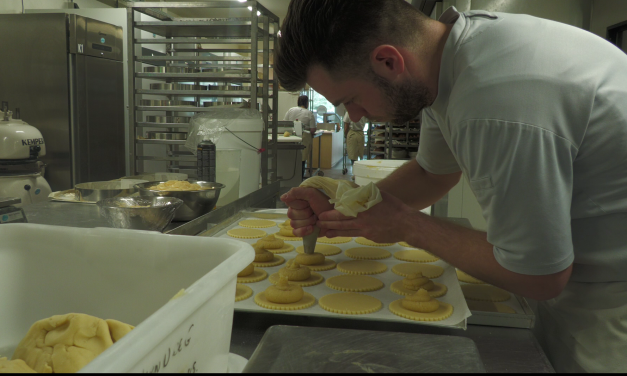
[501, 349]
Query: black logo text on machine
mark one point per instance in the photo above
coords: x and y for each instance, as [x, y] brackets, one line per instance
[33, 141]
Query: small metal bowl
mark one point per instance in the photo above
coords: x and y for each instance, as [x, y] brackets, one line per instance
[100, 190]
[195, 203]
[139, 213]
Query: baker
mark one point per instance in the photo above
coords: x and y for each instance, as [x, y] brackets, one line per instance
[306, 117]
[533, 113]
[354, 135]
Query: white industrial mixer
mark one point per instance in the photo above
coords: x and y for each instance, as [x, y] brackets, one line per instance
[21, 171]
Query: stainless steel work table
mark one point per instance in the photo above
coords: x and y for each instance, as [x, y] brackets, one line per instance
[501, 349]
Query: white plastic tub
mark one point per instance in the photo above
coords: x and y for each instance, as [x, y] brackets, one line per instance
[130, 276]
[373, 170]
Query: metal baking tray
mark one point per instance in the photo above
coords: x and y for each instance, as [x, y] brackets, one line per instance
[168, 119]
[385, 295]
[156, 135]
[165, 103]
[523, 318]
[178, 87]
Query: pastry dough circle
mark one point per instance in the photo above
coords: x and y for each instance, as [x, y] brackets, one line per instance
[336, 240]
[307, 301]
[464, 277]
[476, 305]
[405, 244]
[285, 249]
[443, 312]
[288, 238]
[256, 276]
[278, 260]
[367, 253]
[257, 223]
[242, 292]
[406, 268]
[485, 293]
[325, 249]
[415, 255]
[314, 279]
[354, 283]
[246, 233]
[361, 267]
[350, 303]
[364, 241]
[437, 291]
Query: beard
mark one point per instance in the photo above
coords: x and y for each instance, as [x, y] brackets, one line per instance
[406, 99]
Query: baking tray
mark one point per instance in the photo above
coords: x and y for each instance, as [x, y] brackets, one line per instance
[454, 295]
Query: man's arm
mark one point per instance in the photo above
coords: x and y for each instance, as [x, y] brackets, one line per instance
[417, 187]
[464, 248]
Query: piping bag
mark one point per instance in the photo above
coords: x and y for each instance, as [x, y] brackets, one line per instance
[347, 197]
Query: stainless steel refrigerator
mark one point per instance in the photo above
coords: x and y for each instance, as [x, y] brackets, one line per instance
[65, 74]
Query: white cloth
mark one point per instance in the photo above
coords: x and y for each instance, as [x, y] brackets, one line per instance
[303, 115]
[537, 121]
[348, 198]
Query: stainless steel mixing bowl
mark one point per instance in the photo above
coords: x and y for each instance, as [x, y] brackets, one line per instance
[100, 190]
[195, 203]
[139, 213]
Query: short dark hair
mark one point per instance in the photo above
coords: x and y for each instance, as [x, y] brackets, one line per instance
[339, 35]
[303, 100]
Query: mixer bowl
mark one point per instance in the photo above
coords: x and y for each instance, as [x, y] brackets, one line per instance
[100, 190]
[139, 213]
[195, 203]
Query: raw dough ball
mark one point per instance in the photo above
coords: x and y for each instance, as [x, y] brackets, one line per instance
[286, 134]
[118, 329]
[270, 242]
[417, 281]
[261, 255]
[295, 272]
[421, 301]
[284, 292]
[247, 270]
[257, 223]
[14, 366]
[66, 343]
[310, 259]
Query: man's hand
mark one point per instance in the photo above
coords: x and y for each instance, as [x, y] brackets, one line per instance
[305, 204]
[385, 222]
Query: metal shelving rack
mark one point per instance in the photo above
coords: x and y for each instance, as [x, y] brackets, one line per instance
[406, 136]
[198, 74]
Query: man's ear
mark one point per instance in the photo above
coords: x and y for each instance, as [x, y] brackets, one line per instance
[387, 62]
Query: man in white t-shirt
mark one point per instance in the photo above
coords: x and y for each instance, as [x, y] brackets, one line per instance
[306, 117]
[533, 113]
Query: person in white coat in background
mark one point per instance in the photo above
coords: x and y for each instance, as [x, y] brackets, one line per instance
[307, 118]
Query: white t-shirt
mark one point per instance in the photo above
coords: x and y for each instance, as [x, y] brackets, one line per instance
[358, 126]
[534, 113]
[303, 115]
